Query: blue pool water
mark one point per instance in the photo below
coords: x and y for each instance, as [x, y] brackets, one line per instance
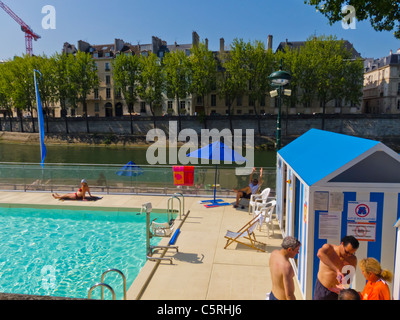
[63, 253]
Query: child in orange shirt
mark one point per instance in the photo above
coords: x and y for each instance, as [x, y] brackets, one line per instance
[376, 287]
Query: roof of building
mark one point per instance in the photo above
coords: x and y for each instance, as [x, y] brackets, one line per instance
[373, 64]
[318, 153]
[298, 44]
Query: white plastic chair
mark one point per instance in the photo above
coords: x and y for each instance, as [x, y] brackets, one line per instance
[266, 211]
[256, 199]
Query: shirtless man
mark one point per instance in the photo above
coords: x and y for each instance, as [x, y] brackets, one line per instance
[281, 270]
[247, 191]
[332, 260]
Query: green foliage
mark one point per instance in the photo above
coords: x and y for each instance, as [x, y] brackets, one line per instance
[323, 69]
[151, 80]
[126, 73]
[384, 15]
[83, 78]
[176, 67]
[203, 68]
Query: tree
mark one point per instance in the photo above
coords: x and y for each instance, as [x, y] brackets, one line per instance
[177, 78]
[235, 75]
[5, 89]
[126, 73]
[203, 67]
[62, 84]
[82, 73]
[384, 15]
[151, 81]
[327, 71]
[260, 66]
[22, 86]
[46, 82]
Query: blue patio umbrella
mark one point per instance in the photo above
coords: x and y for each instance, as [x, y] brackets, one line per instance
[130, 170]
[216, 151]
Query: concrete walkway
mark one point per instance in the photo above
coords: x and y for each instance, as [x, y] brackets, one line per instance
[202, 269]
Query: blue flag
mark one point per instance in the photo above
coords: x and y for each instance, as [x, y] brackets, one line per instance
[40, 121]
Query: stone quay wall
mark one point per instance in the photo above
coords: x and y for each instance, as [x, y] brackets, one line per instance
[385, 128]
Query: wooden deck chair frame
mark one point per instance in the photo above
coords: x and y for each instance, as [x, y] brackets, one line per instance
[246, 232]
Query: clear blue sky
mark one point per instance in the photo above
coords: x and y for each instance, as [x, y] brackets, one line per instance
[100, 22]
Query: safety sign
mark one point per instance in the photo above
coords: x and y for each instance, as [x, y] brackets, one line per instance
[362, 231]
[362, 211]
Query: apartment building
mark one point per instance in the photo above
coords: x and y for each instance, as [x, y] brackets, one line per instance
[381, 93]
[106, 101]
[243, 105]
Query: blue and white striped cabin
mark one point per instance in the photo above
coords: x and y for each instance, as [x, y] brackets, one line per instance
[330, 185]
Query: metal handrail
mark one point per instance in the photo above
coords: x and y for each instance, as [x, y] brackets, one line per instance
[102, 285]
[183, 200]
[123, 278]
[171, 209]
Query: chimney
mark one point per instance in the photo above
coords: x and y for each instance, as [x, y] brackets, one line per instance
[269, 42]
[221, 45]
[206, 43]
[195, 39]
[391, 52]
[118, 44]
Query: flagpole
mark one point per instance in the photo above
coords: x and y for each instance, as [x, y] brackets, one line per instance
[37, 106]
[43, 150]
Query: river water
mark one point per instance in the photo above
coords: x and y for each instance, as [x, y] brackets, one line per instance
[30, 153]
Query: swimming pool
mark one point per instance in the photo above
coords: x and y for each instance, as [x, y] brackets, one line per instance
[63, 252]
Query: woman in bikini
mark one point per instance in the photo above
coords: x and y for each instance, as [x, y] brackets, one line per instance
[79, 195]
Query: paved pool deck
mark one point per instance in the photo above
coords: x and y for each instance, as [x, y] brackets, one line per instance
[202, 269]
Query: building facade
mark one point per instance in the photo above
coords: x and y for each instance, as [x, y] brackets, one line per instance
[108, 102]
[381, 93]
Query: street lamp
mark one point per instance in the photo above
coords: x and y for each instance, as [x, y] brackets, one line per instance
[279, 80]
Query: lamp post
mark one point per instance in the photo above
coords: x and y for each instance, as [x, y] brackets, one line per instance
[279, 80]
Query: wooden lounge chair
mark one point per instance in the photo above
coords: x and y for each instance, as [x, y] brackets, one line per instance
[246, 232]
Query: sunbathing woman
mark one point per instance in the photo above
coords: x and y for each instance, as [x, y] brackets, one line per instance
[79, 195]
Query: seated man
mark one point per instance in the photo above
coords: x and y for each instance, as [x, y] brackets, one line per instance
[246, 192]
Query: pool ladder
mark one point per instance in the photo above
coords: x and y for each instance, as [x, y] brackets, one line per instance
[170, 205]
[104, 285]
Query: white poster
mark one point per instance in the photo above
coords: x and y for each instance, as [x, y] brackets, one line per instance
[329, 225]
[362, 211]
[362, 231]
[336, 200]
[321, 199]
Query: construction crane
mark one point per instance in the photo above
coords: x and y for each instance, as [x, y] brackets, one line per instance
[29, 34]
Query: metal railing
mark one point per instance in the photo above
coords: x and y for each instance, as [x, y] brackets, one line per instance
[105, 285]
[31, 177]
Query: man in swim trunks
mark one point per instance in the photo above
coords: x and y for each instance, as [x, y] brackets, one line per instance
[246, 192]
[332, 260]
[281, 270]
[79, 195]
